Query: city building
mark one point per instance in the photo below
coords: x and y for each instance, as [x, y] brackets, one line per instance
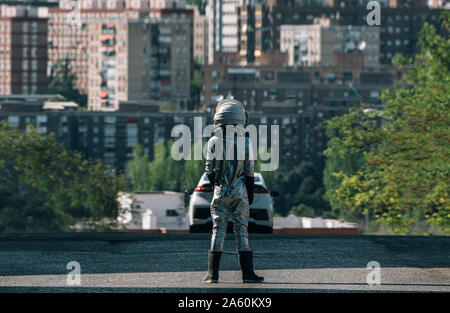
[348, 82]
[317, 44]
[112, 136]
[23, 51]
[68, 40]
[200, 36]
[119, 61]
[253, 32]
[401, 22]
[165, 34]
[175, 53]
[109, 136]
[223, 29]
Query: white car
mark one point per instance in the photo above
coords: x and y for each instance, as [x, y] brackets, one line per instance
[261, 210]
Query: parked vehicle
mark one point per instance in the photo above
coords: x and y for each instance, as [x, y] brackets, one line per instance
[152, 210]
[261, 210]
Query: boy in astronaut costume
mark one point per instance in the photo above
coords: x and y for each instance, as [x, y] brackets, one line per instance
[233, 181]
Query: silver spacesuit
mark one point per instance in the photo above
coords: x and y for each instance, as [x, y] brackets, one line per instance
[230, 169]
[230, 192]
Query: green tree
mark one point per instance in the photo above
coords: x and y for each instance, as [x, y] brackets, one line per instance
[138, 170]
[341, 162]
[44, 187]
[300, 185]
[192, 170]
[196, 85]
[63, 82]
[161, 173]
[303, 211]
[157, 169]
[174, 170]
[403, 178]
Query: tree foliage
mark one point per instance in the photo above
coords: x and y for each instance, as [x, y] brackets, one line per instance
[163, 172]
[298, 187]
[44, 187]
[403, 176]
[63, 82]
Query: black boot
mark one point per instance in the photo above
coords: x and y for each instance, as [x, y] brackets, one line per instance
[246, 263]
[213, 267]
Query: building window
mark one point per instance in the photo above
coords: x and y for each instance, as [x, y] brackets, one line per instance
[13, 121]
[374, 94]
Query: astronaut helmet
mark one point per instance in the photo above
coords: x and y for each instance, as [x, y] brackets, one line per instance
[230, 112]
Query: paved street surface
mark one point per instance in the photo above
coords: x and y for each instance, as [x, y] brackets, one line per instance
[124, 262]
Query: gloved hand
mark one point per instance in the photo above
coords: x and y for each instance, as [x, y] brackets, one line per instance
[250, 185]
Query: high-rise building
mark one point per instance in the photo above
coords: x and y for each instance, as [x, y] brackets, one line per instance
[173, 55]
[317, 44]
[200, 36]
[223, 31]
[253, 32]
[23, 52]
[401, 22]
[68, 40]
[140, 57]
[119, 61]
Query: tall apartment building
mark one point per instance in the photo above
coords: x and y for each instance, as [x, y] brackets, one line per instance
[175, 53]
[317, 44]
[23, 52]
[69, 40]
[253, 28]
[223, 29]
[119, 61]
[69, 37]
[200, 36]
[138, 58]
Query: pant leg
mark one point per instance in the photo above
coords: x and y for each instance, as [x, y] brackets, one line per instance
[219, 214]
[240, 216]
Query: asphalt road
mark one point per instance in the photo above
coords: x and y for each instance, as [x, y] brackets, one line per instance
[124, 262]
